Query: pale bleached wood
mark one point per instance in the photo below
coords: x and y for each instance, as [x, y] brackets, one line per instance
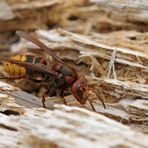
[5, 11]
[21, 97]
[34, 4]
[135, 6]
[66, 127]
[79, 16]
[126, 111]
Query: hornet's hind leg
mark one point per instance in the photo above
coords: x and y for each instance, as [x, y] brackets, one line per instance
[50, 91]
[44, 97]
[60, 94]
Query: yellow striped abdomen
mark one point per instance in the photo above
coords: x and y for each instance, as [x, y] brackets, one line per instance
[13, 69]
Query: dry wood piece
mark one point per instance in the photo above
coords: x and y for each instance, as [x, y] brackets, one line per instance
[5, 11]
[105, 60]
[8, 92]
[117, 73]
[126, 111]
[107, 43]
[7, 102]
[66, 127]
[26, 13]
[79, 16]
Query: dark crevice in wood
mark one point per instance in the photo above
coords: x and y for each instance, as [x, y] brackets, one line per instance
[10, 112]
[8, 127]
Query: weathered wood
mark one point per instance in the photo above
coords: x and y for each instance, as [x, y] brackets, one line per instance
[5, 11]
[66, 127]
[127, 111]
[79, 16]
[115, 65]
[120, 67]
[22, 98]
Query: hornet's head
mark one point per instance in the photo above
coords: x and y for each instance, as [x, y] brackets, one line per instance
[80, 90]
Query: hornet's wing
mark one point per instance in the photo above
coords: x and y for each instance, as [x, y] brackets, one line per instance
[35, 40]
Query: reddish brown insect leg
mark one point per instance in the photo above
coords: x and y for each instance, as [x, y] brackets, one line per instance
[60, 94]
[101, 101]
[99, 98]
[92, 106]
[44, 97]
[43, 100]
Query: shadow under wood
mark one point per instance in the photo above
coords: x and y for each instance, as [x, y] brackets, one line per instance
[10, 112]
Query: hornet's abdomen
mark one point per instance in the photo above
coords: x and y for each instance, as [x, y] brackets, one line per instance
[16, 70]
